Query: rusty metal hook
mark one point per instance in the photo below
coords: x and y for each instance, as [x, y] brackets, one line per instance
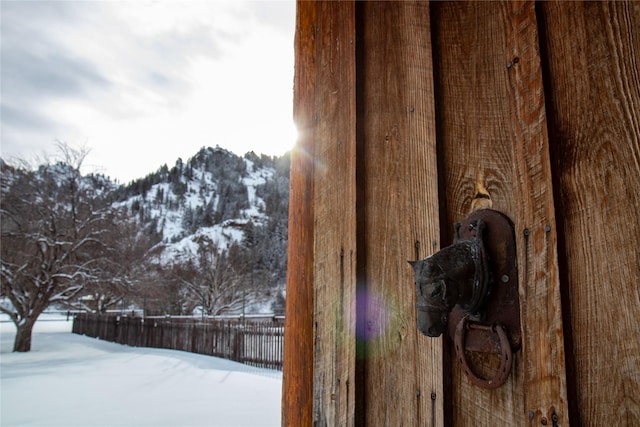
[505, 347]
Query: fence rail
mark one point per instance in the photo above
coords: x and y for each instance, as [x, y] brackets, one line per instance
[253, 343]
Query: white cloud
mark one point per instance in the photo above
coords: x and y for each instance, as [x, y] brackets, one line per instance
[143, 83]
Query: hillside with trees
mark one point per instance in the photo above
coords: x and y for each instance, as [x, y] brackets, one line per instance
[207, 236]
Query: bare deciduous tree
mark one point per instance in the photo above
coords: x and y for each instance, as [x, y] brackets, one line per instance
[218, 281]
[53, 238]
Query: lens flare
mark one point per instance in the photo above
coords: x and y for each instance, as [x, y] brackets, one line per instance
[373, 316]
[379, 326]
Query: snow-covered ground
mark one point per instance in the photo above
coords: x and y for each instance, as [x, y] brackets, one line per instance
[70, 380]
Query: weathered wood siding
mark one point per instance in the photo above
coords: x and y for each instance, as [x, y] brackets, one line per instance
[411, 115]
[398, 218]
[334, 268]
[494, 147]
[592, 70]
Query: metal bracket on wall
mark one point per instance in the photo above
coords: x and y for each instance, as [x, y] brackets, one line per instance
[471, 289]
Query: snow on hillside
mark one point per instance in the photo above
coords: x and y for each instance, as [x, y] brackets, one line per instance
[201, 192]
[255, 178]
[223, 234]
[70, 380]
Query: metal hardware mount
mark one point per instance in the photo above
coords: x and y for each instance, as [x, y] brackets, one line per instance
[471, 289]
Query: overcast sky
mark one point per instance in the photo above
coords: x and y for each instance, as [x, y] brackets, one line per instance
[141, 83]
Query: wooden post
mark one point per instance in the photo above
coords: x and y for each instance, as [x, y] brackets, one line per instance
[334, 176]
[335, 212]
[298, 349]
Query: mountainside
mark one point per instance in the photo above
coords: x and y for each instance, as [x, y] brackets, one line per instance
[217, 195]
[206, 235]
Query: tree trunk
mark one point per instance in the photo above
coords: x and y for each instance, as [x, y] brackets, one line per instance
[23, 335]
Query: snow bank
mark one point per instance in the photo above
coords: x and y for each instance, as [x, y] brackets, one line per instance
[70, 380]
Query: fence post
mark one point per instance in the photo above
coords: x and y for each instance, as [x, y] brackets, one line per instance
[253, 343]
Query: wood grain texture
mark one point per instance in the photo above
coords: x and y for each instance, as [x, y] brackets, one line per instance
[367, 192]
[297, 381]
[335, 216]
[397, 211]
[545, 387]
[494, 148]
[593, 103]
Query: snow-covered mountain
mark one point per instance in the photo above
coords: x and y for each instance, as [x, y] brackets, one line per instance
[207, 234]
[215, 194]
[216, 199]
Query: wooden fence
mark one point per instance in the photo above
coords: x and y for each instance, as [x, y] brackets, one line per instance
[253, 343]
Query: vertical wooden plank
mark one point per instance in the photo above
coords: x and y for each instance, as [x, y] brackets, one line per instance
[335, 215]
[297, 382]
[398, 212]
[495, 152]
[593, 92]
[545, 387]
[476, 149]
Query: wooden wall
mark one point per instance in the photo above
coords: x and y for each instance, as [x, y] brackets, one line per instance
[411, 115]
[593, 102]
[494, 148]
